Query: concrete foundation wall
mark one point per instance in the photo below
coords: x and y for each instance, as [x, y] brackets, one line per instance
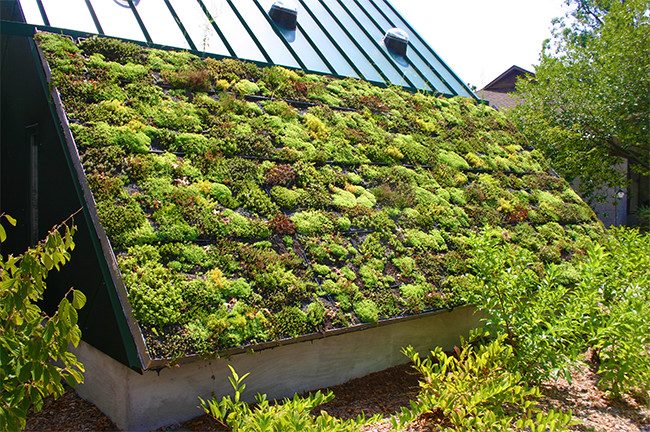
[144, 402]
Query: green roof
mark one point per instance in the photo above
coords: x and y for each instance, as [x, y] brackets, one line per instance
[249, 204]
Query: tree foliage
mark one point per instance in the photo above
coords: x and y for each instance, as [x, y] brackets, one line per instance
[34, 347]
[588, 107]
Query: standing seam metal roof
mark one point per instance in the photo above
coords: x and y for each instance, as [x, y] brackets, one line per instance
[334, 37]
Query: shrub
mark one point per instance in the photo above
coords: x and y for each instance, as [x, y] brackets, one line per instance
[600, 300]
[514, 298]
[476, 391]
[290, 415]
[619, 270]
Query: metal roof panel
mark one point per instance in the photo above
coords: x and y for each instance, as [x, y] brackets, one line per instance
[339, 37]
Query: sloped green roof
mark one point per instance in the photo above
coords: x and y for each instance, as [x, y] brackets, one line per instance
[250, 204]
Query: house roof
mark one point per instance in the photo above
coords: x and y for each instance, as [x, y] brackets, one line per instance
[499, 92]
[506, 81]
[497, 99]
[334, 37]
[242, 205]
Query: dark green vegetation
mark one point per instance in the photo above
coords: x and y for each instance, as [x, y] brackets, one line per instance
[245, 205]
[35, 354]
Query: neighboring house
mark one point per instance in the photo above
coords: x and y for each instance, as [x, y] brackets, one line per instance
[302, 223]
[499, 91]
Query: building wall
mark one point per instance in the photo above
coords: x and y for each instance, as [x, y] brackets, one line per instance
[154, 399]
[612, 207]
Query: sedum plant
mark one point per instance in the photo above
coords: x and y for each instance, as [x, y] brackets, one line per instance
[296, 188]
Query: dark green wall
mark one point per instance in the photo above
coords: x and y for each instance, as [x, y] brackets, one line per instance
[24, 103]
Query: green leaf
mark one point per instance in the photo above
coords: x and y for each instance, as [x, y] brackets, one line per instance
[78, 299]
[11, 220]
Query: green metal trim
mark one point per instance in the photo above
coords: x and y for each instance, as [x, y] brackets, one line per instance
[41, 8]
[450, 70]
[217, 29]
[416, 50]
[415, 68]
[379, 47]
[13, 28]
[354, 41]
[180, 25]
[145, 32]
[333, 41]
[135, 362]
[279, 35]
[93, 15]
[250, 32]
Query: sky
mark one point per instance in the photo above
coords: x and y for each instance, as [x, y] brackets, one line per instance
[480, 39]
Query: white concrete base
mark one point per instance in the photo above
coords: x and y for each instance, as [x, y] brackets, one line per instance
[143, 402]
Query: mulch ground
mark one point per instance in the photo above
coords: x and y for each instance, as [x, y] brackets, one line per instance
[384, 393]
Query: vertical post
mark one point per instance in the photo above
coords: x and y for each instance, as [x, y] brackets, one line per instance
[33, 142]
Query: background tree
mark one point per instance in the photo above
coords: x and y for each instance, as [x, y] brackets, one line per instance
[34, 347]
[588, 107]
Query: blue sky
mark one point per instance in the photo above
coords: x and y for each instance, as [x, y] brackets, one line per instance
[479, 39]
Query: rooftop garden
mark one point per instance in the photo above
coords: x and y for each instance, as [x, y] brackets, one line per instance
[249, 204]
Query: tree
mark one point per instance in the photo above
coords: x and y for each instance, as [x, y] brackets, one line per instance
[34, 347]
[588, 107]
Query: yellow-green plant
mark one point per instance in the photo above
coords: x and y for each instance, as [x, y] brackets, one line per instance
[287, 416]
[34, 348]
[476, 390]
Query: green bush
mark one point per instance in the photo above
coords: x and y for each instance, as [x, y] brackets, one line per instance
[551, 315]
[288, 415]
[475, 390]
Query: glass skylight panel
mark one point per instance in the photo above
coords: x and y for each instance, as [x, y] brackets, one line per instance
[117, 19]
[361, 62]
[160, 23]
[270, 40]
[296, 38]
[199, 28]
[424, 50]
[403, 64]
[233, 30]
[69, 14]
[369, 47]
[307, 26]
[413, 56]
[31, 12]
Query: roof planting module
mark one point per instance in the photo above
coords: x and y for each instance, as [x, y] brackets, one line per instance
[249, 204]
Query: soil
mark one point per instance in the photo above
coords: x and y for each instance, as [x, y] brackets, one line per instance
[382, 393]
